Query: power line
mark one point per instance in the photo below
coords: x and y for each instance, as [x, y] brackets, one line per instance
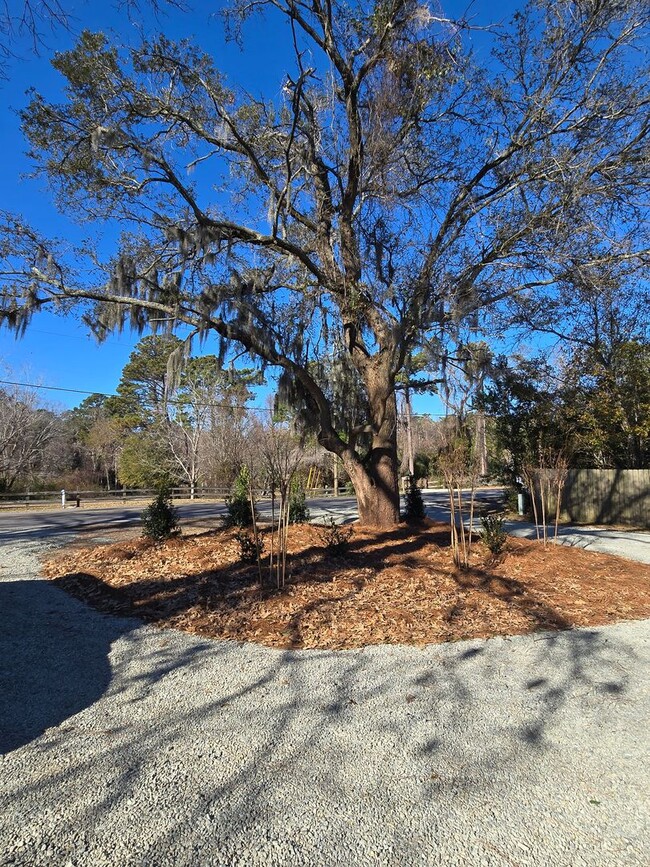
[172, 402]
[53, 388]
[104, 394]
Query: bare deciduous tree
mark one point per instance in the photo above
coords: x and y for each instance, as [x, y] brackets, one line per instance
[283, 455]
[25, 430]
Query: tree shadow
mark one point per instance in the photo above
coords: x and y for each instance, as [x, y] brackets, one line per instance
[234, 586]
[50, 670]
[234, 747]
[243, 728]
[539, 614]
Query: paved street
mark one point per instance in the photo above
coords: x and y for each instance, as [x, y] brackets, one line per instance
[25, 526]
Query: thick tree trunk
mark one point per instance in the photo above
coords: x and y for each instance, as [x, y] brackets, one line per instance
[375, 480]
[376, 488]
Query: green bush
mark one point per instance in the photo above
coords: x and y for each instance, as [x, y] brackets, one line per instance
[298, 510]
[492, 533]
[335, 537]
[511, 499]
[414, 506]
[249, 549]
[422, 466]
[160, 519]
[239, 512]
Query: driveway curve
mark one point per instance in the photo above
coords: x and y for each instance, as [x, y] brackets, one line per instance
[124, 744]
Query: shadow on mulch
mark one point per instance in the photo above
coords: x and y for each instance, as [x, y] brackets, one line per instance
[398, 586]
[515, 593]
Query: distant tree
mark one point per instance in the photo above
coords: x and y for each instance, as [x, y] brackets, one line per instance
[593, 409]
[144, 461]
[82, 418]
[422, 465]
[525, 401]
[86, 428]
[398, 190]
[103, 443]
[207, 398]
[608, 404]
[138, 414]
[26, 428]
[141, 399]
[174, 413]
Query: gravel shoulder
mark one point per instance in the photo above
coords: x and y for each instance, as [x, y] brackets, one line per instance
[129, 745]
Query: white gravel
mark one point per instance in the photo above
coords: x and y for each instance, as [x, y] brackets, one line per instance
[127, 745]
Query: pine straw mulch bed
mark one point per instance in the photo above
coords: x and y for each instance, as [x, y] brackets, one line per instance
[390, 587]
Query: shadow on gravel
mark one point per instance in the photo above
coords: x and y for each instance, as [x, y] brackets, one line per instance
[53, 659]
[226, 746]
[238, 747]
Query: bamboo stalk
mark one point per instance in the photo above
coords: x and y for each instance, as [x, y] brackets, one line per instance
[462, 526]
[258, 555]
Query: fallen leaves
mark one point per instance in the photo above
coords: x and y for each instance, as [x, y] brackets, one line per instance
[398, 586]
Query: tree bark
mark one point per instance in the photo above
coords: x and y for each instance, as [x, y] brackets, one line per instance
[409, 431]
[375, 478]
[481, 444]
[375, 486]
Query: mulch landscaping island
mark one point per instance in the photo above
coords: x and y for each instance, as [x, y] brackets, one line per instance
[390, 587]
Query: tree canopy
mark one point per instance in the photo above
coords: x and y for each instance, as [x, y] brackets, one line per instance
[398, 190]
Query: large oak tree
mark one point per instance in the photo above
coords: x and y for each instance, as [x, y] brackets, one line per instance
[397, 188]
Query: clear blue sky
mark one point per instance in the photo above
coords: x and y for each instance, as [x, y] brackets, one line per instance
[59, 351]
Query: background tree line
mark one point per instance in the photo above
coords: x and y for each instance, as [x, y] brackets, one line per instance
[144, 436]
[591, 406]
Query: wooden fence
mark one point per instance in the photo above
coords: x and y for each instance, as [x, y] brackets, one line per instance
[126, 496]
[607, 497]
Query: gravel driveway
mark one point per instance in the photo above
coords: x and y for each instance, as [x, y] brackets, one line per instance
[127, 745]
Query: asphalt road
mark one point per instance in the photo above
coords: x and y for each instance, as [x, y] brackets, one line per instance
[26, 526]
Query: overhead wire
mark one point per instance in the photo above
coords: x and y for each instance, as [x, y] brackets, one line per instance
[172, 402]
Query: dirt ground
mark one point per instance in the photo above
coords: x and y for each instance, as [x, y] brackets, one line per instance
[389, 587]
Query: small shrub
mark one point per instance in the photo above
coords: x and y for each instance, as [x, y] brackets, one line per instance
[414, 505]
[298, 510]
[492, 533]
[239, 512]
[238, 505]
[249, 549]
[160, 519]
[335, 537]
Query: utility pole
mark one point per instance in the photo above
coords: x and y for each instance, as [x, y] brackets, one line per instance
[481, 443]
